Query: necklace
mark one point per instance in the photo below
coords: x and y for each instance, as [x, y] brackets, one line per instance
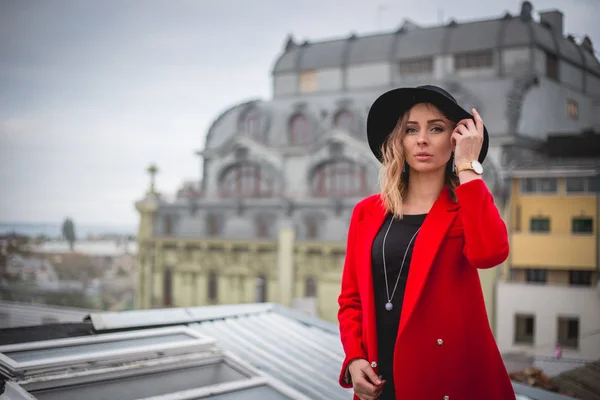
[389, 306]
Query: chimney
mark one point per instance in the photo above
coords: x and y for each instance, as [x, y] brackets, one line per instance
[554, 19]
[586, 43]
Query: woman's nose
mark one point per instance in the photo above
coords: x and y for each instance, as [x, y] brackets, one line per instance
[422, 138]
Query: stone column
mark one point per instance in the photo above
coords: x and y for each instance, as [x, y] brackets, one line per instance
[285, 263]
[147, 209]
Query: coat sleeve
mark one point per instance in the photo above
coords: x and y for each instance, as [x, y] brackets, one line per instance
[486, 237]
[350, 311]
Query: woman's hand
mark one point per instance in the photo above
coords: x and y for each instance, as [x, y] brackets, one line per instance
[366, 384]
[468, 139]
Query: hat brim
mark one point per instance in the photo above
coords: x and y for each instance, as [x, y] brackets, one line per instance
[390, 106]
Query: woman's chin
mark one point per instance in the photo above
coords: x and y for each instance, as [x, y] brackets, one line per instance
[426, 168]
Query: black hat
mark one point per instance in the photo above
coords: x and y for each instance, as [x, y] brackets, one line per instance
[390, 106]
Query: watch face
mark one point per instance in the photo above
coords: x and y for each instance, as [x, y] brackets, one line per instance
[477, 167]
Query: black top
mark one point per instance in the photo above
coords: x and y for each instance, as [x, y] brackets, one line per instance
[398, 238]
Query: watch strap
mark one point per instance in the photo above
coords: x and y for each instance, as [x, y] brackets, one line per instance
[464, 167]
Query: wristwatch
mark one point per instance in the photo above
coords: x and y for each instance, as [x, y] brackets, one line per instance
[474, 166]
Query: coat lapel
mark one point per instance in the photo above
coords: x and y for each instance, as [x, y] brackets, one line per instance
[427, 244]
[369, 226]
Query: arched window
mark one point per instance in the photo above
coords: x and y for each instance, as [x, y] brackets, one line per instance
[346, 121]
[300, 133]
[340, 179]
[247, 181]
[252, 125]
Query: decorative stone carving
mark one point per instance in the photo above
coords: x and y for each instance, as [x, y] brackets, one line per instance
[514, 100]
[526, 9]
[290, 43]
[289, 207]
[464, 97]
[240, 207]
[344, 103]
[300, 107]
[338, 206]
[192, 206]
[241, 153]
[336, 149]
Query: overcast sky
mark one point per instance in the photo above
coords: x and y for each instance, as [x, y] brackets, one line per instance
[91, 92]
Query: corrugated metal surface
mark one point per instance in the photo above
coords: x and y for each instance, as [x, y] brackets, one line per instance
[302, 352]
[553, 367]
[525, 392]
[299, 350]
[14, 315]
[304, 357]
[584, 381]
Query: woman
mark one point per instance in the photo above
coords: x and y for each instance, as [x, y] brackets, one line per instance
[412, 317]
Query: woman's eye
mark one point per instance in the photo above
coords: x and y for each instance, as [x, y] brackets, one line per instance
[437, 129]
[411, 130]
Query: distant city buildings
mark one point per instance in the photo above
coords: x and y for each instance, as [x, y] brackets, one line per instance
[98, 274]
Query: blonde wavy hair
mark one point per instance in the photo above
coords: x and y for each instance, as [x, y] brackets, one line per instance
[394, 186]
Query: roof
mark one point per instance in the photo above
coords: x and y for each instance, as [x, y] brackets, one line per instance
[555, 167]
[583, 382]
[241, 351]
[411, 42]
[92, 248]
[15, 314]
[563, 154]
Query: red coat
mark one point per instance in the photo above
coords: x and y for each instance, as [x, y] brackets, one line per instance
[443, 300]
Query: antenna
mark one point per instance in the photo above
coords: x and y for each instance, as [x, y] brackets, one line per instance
[380, 9]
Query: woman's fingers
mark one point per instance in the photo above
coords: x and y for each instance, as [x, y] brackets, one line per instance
[478, 121]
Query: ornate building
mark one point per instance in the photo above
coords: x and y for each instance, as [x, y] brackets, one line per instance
[280, 177]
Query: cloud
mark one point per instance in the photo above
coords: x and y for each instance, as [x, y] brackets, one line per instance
[93, 92]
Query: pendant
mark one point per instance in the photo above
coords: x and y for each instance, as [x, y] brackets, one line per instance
[389, 306]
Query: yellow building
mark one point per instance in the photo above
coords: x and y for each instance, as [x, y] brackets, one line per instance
[550, 294]
[183, 272]
[554, 213]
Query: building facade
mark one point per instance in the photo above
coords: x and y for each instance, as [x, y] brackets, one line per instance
[551, 292]
[300, 160]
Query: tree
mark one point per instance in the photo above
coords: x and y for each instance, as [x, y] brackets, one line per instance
[68, 232]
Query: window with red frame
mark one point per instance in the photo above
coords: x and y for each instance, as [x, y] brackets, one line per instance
[345, 120]
[300, 130]
[252, 125]
[247, 181]
[340, 179]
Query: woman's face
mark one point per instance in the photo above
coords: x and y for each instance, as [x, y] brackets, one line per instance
[427, 141]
